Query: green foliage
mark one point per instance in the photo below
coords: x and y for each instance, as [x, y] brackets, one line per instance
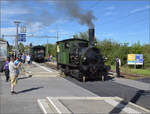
[51, 49]
[146, 53]
[143, 72]
[21, 47]
[10, 49]
[111, 49]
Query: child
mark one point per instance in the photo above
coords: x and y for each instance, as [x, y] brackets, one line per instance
[16, 62]
[6, 69]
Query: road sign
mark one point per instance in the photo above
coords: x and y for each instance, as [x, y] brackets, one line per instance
[22, 37]
[23, 29]
[135, 59]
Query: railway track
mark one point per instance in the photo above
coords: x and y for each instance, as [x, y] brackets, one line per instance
[112, 73]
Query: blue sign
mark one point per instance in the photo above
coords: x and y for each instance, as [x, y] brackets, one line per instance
[139, 59]
[135, 59]
[22, 37]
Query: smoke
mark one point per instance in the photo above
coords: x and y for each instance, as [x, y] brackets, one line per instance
[45, 17]
[74, 11]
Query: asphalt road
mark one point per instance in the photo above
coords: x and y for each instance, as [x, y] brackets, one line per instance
[110, 88]
[30, 89]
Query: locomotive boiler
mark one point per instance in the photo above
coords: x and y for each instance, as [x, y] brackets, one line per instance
[80, 58]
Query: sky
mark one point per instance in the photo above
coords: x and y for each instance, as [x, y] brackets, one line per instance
[123, 21]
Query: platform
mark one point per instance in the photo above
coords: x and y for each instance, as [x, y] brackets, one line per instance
[88, 105]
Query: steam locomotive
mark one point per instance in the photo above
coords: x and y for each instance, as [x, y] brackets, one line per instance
[81, 59]
[38, 53]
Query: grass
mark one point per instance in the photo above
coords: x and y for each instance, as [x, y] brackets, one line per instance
[142, 72]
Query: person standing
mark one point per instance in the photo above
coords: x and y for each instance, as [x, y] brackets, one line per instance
[16, 62]
[6, 69]
[118, 64]
[51, 58]
[13, 75]
[28, 59]
[23, 57]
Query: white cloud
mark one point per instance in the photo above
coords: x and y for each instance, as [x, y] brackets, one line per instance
[52, 31]
[110, 8]
[13, 11]
[110, 13]
[8, 31]
[139, 9]
[34, 27]
[105, 34]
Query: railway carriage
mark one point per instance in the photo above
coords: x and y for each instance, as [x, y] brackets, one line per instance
[38, 53]
[3, 52]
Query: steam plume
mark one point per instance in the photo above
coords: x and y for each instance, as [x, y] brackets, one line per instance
[74, 11]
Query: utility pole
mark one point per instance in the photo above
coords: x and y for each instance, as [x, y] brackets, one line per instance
[16, 40]
[57, 36]
[47, 47]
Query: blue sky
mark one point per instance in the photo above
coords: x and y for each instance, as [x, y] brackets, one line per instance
[124, 21]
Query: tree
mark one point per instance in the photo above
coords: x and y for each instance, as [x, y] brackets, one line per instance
[21, 47]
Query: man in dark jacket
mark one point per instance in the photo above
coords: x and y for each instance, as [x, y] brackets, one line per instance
[118, 64]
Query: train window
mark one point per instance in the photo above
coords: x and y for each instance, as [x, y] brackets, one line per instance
[83, 44]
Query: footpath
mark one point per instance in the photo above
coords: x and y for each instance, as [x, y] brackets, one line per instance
[46, 92]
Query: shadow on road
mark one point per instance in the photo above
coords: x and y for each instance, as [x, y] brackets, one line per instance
[30, 89]
[25, 77]
[133, 100]
[138, 95]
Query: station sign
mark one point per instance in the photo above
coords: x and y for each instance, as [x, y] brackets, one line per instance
[135, 59]
[23, 29]
[22, 37]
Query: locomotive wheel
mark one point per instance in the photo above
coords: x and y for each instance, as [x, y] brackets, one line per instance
[66, 71]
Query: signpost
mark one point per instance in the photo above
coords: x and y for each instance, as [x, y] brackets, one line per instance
[135, 59]
[22, 37]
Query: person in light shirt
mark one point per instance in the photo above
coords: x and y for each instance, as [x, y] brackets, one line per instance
[13, 74]
[28, 59]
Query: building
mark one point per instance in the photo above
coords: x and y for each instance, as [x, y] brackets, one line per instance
[3, 51]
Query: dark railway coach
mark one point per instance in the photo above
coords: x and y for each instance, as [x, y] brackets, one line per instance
[38, 53]
[80, 58]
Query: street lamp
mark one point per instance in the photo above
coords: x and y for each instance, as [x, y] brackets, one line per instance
[16, 40]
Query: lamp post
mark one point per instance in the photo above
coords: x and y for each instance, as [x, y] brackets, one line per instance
[16, 40]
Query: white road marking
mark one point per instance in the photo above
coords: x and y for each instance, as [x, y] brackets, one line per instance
[59, 112]
[39, 102]
[42, 67]
[84, 98]
[118, 105]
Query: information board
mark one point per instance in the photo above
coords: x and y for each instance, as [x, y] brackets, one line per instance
[22, 37]
[135, 59]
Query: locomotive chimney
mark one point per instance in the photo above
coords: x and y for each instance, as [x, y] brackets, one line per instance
[91, 35]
